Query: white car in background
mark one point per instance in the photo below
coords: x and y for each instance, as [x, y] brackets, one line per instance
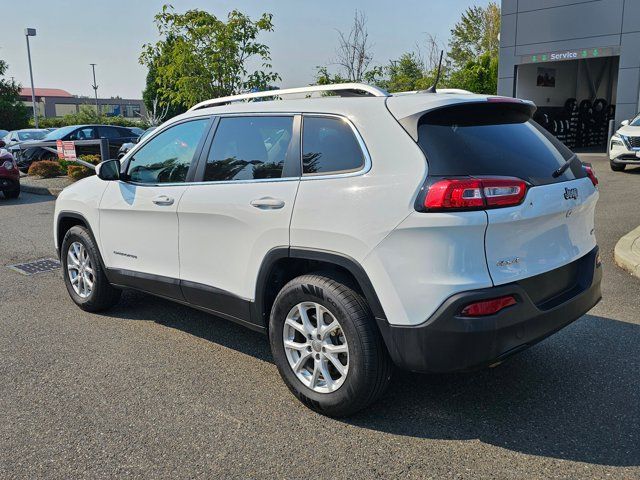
[624, 148]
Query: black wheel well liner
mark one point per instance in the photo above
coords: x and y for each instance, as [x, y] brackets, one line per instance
[282, 264]
[66, 220]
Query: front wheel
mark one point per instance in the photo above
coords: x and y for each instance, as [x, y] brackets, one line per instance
[83, 275]
[327, 347]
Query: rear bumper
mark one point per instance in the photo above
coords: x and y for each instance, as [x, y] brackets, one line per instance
[448, 342]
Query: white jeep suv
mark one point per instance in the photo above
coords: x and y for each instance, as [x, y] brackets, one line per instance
[437, 232]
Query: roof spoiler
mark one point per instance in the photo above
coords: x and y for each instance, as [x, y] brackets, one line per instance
[410, 123]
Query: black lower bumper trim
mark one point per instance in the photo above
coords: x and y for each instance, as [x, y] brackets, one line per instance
[449, 342]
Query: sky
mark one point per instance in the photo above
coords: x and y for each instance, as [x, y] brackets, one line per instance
[71, 34]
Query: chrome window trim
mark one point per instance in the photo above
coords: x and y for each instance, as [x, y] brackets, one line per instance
[309, 177]
[366, 167]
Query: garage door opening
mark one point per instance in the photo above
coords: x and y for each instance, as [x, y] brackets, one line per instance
[576, 99]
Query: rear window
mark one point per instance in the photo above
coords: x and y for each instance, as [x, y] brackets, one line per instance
[492, 139]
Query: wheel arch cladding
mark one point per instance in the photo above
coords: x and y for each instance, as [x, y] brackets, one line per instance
[281, 265]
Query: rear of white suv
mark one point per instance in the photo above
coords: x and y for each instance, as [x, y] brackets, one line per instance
[501, 250]
[443, 232]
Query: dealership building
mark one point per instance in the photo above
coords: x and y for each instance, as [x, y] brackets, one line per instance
[579, 61]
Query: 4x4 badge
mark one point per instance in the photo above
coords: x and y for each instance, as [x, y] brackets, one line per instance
[570, 193]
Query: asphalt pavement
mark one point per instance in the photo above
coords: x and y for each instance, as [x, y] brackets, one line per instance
[153, 389]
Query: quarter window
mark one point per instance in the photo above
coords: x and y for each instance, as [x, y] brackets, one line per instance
[166, 157]
[329, 146]
[248, 148]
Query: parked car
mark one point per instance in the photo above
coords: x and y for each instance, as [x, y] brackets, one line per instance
[3, 133]
[17, 137]
[437, 232]
[124, 149]
[624, 148]
[9, 174]
[116, 136]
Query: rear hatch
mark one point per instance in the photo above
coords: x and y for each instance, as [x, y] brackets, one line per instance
[553, 224]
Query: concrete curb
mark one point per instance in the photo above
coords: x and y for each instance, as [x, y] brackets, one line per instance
[40, 190]
[627, 252]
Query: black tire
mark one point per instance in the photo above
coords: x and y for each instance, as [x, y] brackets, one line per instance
[12, 193]
[370, 367]
[617, 167]
[103, 295]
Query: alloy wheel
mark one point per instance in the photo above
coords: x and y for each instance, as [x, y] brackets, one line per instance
[316, 347]
[80, 269]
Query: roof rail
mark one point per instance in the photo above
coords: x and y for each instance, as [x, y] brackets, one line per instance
[341, 89]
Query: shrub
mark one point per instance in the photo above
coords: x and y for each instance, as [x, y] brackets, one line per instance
[78, 172]
[95, 159]
[64, 164]
[45, 169]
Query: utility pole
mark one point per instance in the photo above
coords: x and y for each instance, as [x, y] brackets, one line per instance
[31, 32]
[95, 88]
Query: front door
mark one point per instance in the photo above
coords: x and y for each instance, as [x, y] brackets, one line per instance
[138, 214]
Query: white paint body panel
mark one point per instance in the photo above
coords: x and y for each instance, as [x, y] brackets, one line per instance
[425, 260]
[545, 232]
[223, 238]
[146, 233]
[83, 198]
[351, 215]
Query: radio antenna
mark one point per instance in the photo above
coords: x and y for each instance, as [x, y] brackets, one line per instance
[432, 88]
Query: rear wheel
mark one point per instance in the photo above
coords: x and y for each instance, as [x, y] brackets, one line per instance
[84, 278]
[327, 347]
[617, 167]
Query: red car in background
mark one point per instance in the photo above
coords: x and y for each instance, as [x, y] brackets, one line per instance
[9, 174]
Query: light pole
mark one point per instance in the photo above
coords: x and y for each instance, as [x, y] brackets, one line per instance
[31, 32]
[95, 88]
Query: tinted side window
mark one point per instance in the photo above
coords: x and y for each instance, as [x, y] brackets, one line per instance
[329, 146]
[247, 148]
[87, 133]
[167, 157]
[108, 132]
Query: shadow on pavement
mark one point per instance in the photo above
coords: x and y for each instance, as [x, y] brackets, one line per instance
[25, 199]
[575, 396]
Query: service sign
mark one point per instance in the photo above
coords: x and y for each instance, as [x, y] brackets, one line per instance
[563, 55]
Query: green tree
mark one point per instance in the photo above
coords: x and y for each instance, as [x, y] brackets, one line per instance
[13, 113]
[204, 57]
[406, 73]
[477, 76]
[475, 34]
[157, 103]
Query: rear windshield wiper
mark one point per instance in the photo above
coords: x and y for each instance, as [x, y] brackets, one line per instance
[564, 166]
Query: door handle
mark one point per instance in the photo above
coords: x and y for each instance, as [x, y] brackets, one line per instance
[162, 200]
[267, 203]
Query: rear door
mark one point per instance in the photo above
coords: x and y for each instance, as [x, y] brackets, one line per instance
[554, 225]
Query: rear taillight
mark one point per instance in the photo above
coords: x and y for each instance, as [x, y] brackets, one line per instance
[474, 193]
[591, 174]
[488, 307]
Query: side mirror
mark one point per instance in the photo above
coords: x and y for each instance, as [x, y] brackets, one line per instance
[2, 144]
[624, 123]
[108, 170]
